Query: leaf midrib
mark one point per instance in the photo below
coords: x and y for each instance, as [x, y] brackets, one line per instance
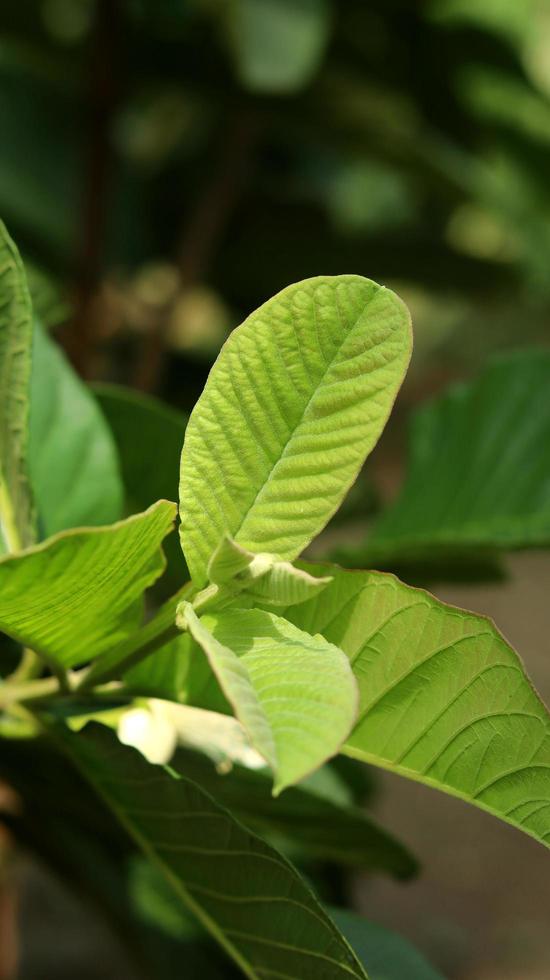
[292, 433]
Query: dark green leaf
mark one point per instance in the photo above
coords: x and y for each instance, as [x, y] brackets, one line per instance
[242, 891]
[479, 470]
[72, 456]
[385, 954]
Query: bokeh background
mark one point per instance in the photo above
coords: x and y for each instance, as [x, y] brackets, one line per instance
[167, 165]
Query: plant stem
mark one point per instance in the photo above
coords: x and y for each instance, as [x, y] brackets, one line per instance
[155, 634]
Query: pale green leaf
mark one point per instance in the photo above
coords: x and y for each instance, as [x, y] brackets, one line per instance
[297, 398]
[303, 684]
[271, 582]
[16, 507]
[69, 597]
[479, 469]
[278, 44]
[244, 893]
[235, 682]
[285, 585]
[385, 954]
[322, 828]
[444, 698]
[229, 561]
[73, 460]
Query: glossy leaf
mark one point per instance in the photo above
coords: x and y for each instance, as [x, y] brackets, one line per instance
[322, 828]
[297, 398]
[479, 469]
[79, 592]
[149, 436]
[278, 45]
[385, 954]
[243, 892]
[73, 460]
[16, 507]
[302, 685]
[444, 698]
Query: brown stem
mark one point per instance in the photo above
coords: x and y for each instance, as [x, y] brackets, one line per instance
[103, 97]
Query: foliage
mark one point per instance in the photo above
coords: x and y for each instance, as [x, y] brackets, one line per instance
[310, 659]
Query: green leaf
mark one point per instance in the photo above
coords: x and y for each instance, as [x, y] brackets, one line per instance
[72, 456]
[70, 597]
[242, 891]
[297, 398]
[262, 577]
[385, 954]
[478, 473]
[285, 585]
[444, 698]
[345, 834]
[293, 693]
[16, 506]
[149, 436]
[230, 560]
[235, 682]
[278, 44]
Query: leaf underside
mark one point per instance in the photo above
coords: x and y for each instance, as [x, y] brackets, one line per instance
[443, 698]
[79, 592]
[244, 892]
[16, 507]
[297, 398]
[479, 469]
[303, 684]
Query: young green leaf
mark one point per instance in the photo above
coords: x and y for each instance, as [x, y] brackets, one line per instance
[73, 460]
[16, 506]
[444, 698]
[234, 680]
[262, 577]
[79, 592]
[479, 470]
[285, 585]
[297, 398]
[303, 685]
[244, 893]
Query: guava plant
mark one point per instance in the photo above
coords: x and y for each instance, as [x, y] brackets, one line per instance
[313, 660]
